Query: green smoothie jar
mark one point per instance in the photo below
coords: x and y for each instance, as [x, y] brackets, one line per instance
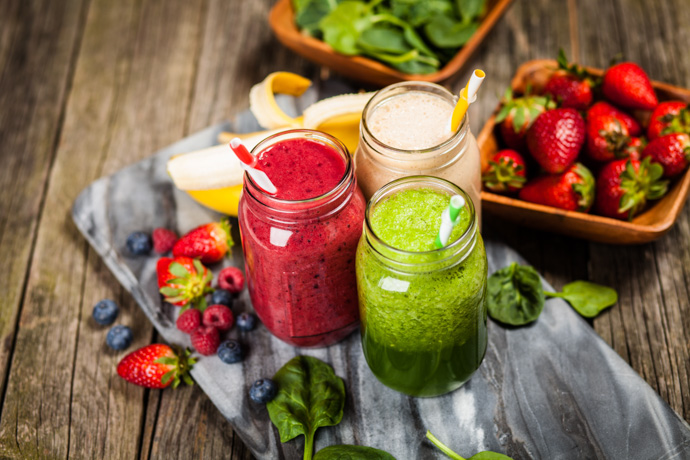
[422, 308]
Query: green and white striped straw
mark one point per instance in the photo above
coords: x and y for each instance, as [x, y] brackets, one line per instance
[449, 219]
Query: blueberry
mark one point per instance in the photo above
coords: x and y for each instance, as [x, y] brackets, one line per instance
[119, 337]
[263, 391]
[222, 297]
[246, 321]
[231, 351]
[105, 312]
[139, 243]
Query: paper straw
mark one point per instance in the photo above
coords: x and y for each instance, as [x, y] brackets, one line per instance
[248, 163]
[467, 96]
[449, 219]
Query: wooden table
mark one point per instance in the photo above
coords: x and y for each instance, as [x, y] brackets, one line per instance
[87, 87]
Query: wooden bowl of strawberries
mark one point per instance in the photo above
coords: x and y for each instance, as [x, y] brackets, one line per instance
[594, 154]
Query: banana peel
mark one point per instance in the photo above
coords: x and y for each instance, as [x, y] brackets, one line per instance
[213, 176]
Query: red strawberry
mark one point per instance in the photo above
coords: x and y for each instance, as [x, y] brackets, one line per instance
[163, 240]
[555, 139]
[672, 151]
[604, 108]
[572, 190]
[506, 172]
[208, 243]
[627, 85]
[183, 281]
[189, 321]
[624, 186]
[607, 138]
[218, 316]
[231, 279]
[669, 117]
[206, 340]
[156, 366]
[517, 115]
[571, 85]
[635, 148]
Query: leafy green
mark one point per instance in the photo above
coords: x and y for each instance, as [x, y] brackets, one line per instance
[486, 455]
[515, 295]
[310, 396]
[588, 299]
[348, 452]
[414, 36]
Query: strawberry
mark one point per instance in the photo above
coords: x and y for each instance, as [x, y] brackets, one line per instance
[571, 86]
[206, 340]
[208, 243]
[635, 147]
[183, 281]
[672, 151]
[624, 186]
[218, 316]
[669, 117]
[517, 115]
[163, 240]
[607, 138]
[572, 190]
[506, 172]
[189, 321]
[604, 108]
[627, 85]
[555, 139]
[156, 366]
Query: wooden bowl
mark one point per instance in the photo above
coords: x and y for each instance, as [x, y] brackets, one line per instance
[651, 224]
[365, 69]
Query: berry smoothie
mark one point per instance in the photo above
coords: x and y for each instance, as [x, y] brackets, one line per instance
[300, 243]
[423, 309]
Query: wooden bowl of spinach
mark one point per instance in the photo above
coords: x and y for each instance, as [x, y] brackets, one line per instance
[386, 41]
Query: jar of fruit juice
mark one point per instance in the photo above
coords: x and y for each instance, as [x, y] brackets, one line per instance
[405, 131]
[300, 244]
[423, 309]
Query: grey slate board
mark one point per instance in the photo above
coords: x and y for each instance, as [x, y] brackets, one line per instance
[553, 390]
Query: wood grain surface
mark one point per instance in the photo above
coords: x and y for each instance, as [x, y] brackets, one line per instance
[87, 87]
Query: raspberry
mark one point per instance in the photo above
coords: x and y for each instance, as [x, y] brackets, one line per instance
[231, 279]
[189, 321]
[163, 240]
[206, 340]
[218, 316]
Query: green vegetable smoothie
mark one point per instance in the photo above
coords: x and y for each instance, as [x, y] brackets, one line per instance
[422, 309]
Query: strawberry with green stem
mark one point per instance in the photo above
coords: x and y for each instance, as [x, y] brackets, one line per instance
[624, 186]
[208, 243]
[572, 190]
[517, 115]
[157, 366]
[506, 172]
[671, 151]
[570, 85]
[184, 281]
[669, 117]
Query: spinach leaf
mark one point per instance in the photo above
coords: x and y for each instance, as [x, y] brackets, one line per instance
[515, 295]
[588, 299]
[342, 27]
[308, 14]
[446, 32]
[380, 38]
[348, 452]
[310, 396]
[411, 62]
[417, 13]
[470, 9]
[486, 455]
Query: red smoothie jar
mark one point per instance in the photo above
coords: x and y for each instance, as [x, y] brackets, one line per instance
[300, 244]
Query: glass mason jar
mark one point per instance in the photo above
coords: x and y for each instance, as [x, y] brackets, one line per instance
[423, 314]
[455, 159]
[299, 255]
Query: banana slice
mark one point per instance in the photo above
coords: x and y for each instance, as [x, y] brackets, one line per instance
[263, 104]
[326, 110]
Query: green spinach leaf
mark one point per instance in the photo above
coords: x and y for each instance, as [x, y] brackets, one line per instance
[310, 396]
[486, 455]
[349, 452]
[588, 299]
[342, 27]
[380, 38]
[446, 32]
[417, 13]
[308, 14]
[470, 10]
[515, 295]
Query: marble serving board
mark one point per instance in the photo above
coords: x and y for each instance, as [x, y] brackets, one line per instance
[553, 390]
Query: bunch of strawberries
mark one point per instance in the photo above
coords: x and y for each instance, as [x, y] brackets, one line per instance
[567, 135]
[185, 282]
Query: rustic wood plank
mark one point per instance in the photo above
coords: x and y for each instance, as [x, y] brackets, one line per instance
[131, 93]
[36, 61]
[649, 327]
